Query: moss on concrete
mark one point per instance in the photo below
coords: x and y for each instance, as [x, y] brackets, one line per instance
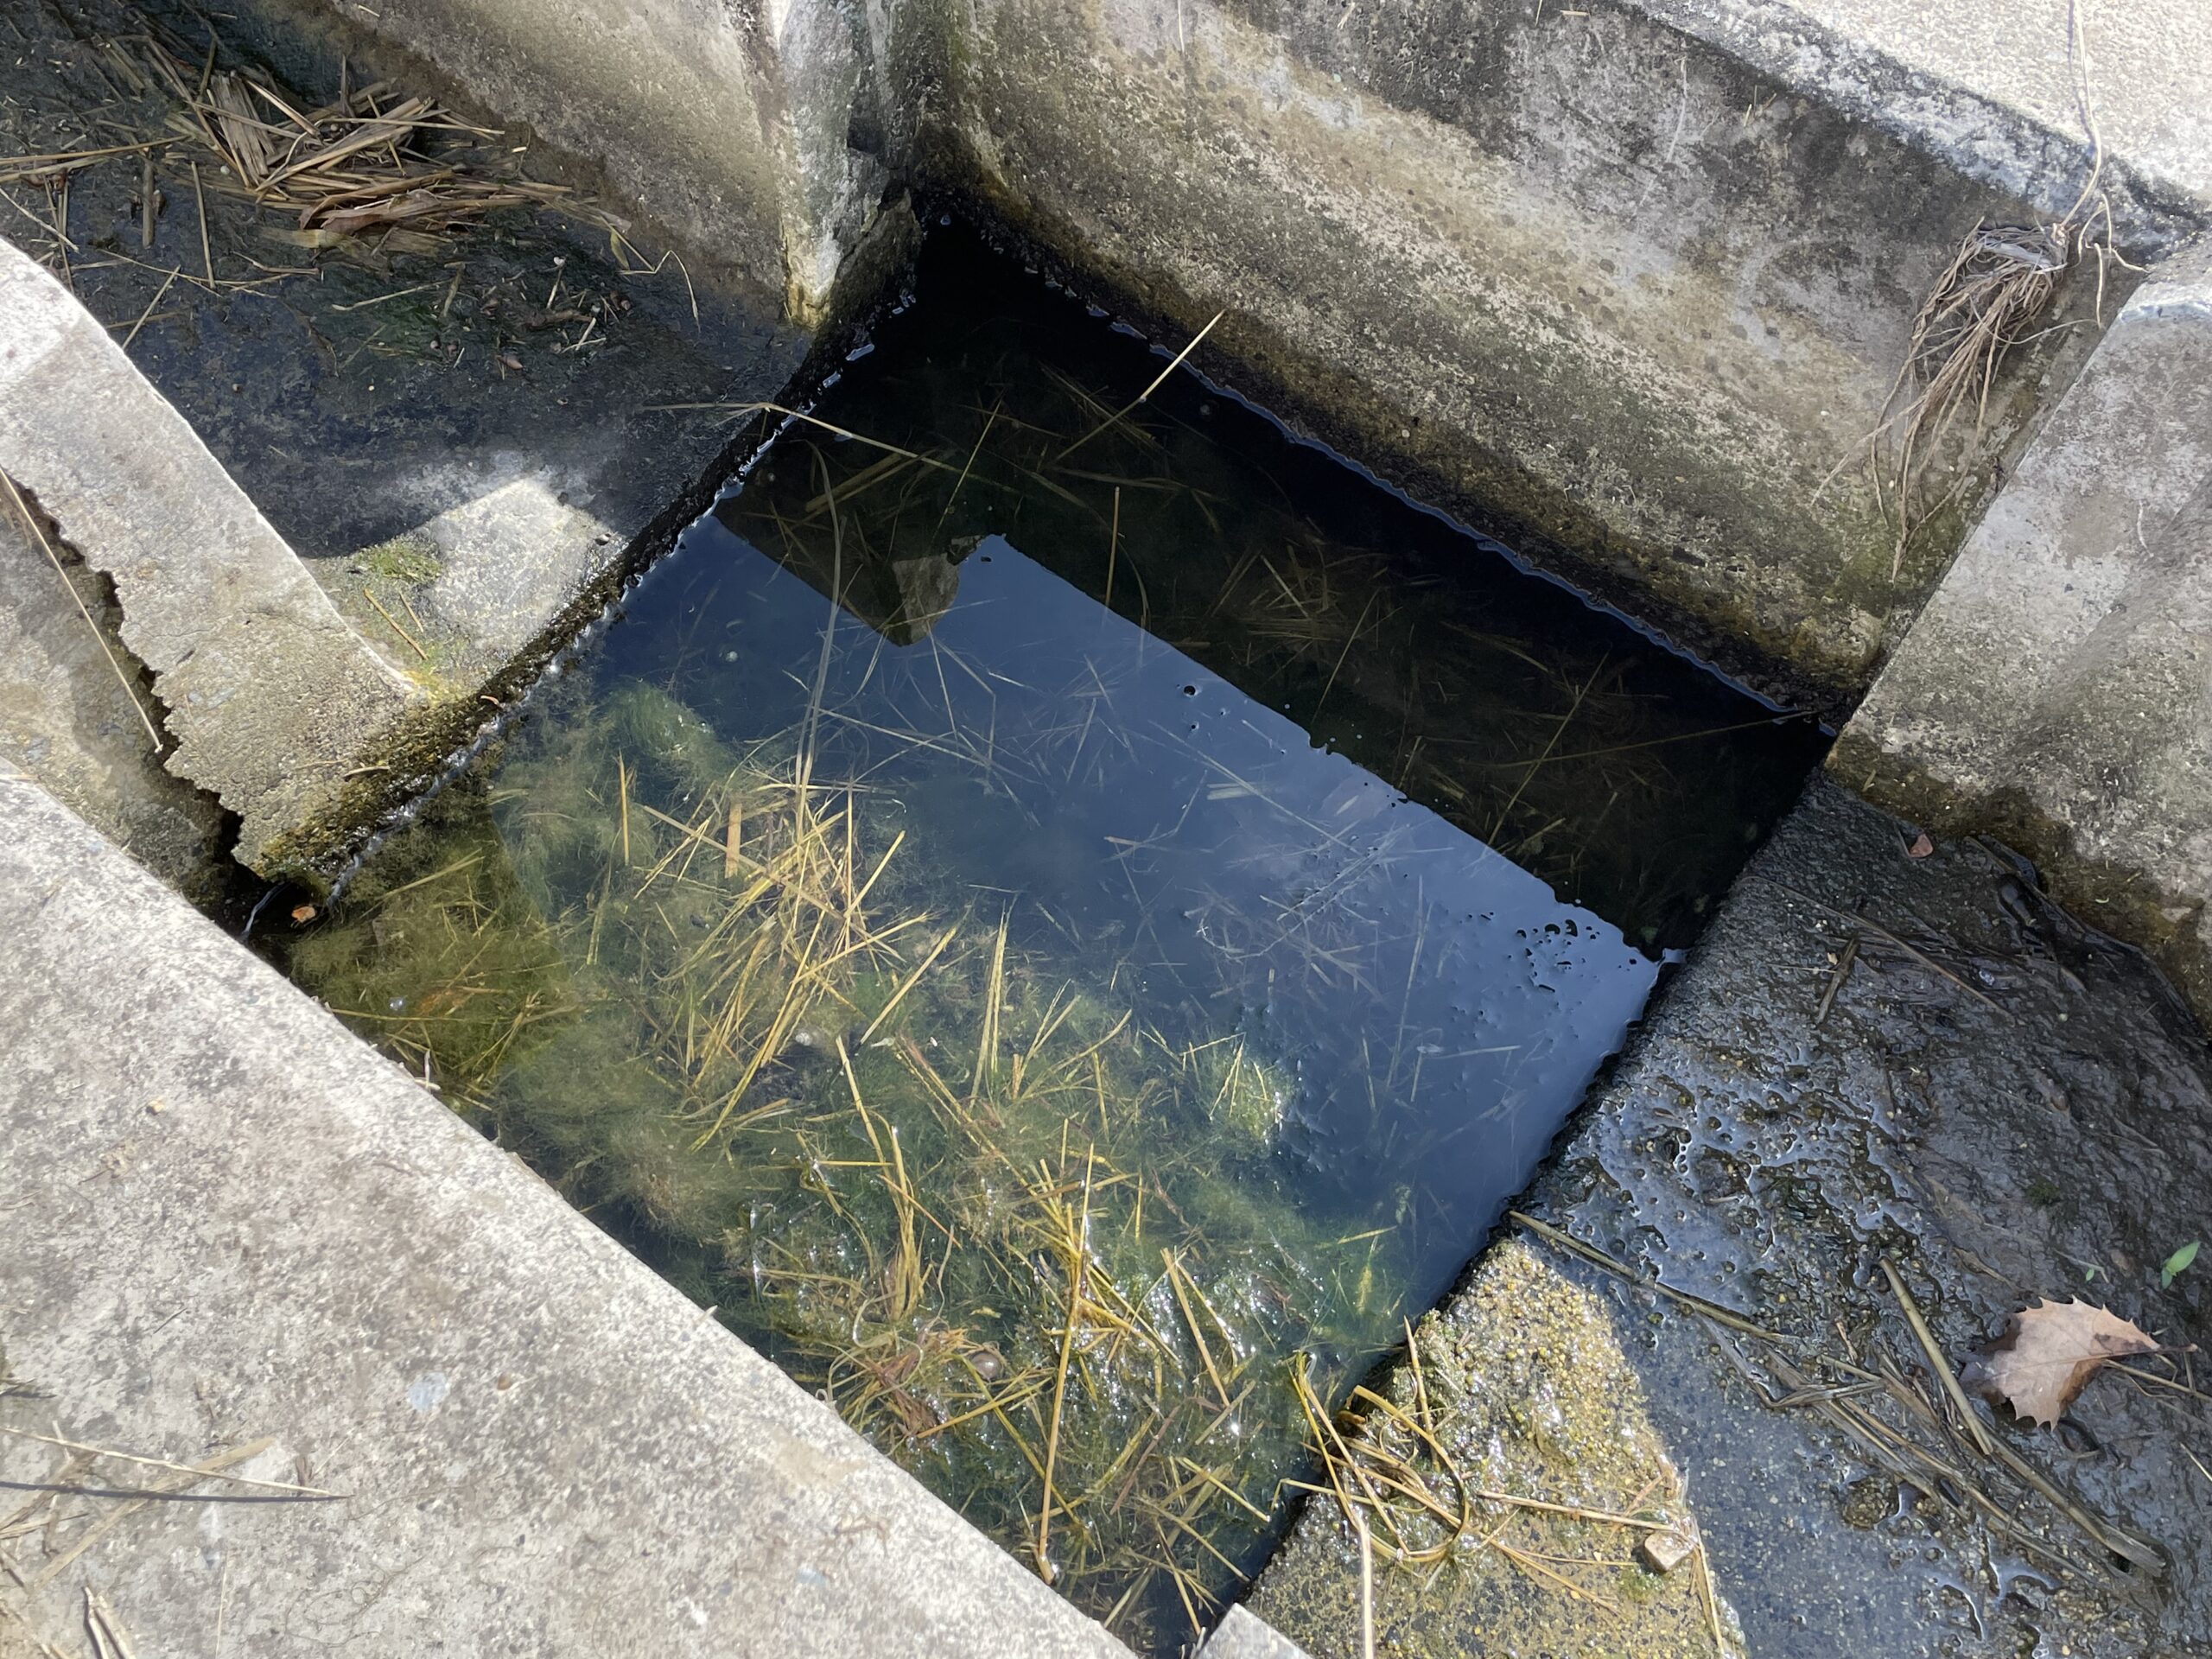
[1535, 1398]
[411, 558]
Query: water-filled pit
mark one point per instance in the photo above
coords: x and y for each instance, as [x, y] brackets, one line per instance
[1071, 1001]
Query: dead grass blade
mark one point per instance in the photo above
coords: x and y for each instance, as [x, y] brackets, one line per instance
[38, 534]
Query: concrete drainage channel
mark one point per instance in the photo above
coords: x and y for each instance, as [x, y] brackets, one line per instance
[1622, 284]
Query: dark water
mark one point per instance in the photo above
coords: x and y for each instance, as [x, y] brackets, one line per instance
[1073, 1036]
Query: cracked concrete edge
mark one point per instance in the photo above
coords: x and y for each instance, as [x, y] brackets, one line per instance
[228, 1220]
[66, 716]
[268, 692]
[2053, 690]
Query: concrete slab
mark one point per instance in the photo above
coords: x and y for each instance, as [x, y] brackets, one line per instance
[228, 1225]
[1626, 281]
[1243, 1634]
[2057, 688]
[269, 694]
[2148, 68]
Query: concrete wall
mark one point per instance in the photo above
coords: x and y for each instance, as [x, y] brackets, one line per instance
[1576, 272]
[2057, 690]
[1628, 281]
[725, 121]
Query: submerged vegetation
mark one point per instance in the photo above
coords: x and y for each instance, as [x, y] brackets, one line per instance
[1021, 1028]
[1628, 778]
[1003, 1223]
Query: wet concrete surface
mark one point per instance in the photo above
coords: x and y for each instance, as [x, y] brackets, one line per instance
[2005, 1105]
[357, 393]
[469, 434]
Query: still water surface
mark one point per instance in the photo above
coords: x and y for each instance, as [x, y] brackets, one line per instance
[1072, 1000]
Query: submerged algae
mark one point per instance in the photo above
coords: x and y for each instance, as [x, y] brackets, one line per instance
[1011, 1230]
[1086, 1012]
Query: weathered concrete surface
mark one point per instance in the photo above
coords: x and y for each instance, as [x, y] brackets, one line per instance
[364, 394]
[732, 125]
[1532, 1395]
[2023, 1110]
[2057, 689]
[1630, 281]
[2147, 65]
[535, 406]
[225, 1220]
[1584, 275]
[1242, 1634]
[68, 719]
[268, 694]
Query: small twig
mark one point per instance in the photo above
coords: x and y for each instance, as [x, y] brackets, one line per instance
[148, 311]
[395, 294]
[2113, 1537]
[1115, 419]
[109, 1639]
[1943, 1372]
[1888, 937]
[735, 410]
[115, 1517]
[395, 628]
[1366, 1584]
[200, 196]
[1076, 1302]
[1710, 1596]
[1113, 548]
[1597, 1257]
[59, 199]
[1572, 1511]
[1836, 980]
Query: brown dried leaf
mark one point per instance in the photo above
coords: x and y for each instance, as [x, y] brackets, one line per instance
[2048, 1353]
